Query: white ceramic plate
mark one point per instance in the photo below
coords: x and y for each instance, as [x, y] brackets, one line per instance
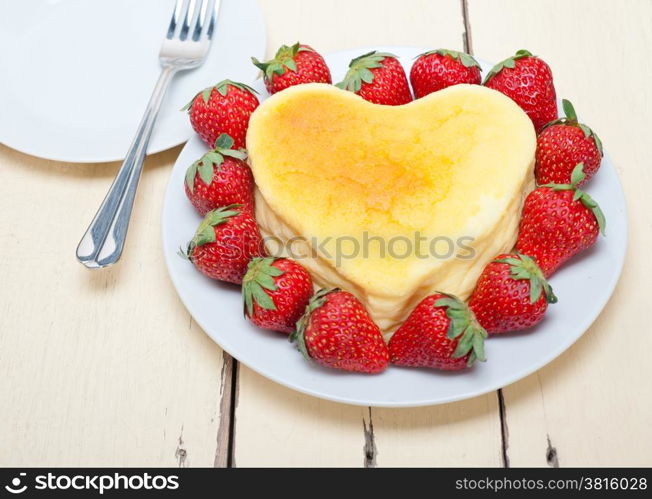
[582, 287]
[76, 75]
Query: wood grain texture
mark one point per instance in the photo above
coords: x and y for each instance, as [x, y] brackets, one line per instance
[97, 367]
[465, 433]
[591, 406]
[343, 24]
[278, 427]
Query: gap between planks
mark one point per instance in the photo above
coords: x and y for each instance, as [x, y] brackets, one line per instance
[225, 448]
[467, 40]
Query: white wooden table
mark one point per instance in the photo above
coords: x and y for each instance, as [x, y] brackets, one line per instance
[107, 368]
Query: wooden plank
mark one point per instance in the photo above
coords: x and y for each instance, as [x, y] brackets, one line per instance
[344, 24]
[97, 367]
[278, 427]
[275, 426]
[465, 433]
[590, 407]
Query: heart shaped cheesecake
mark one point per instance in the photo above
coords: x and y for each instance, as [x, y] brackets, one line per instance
[391, 202]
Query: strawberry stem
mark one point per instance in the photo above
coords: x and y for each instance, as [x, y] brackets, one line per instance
[463, 325]
[298, 336]
[509, 63]
[522, 267]
[569, 111]
[570, 119]
[222, 87]
[211, 159]
[259, 277]
[583, 197]
[282, 61]
[205, 233]
[467, 60]
[360, 70]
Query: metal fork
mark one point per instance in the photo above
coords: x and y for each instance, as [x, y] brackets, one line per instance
[185, 47]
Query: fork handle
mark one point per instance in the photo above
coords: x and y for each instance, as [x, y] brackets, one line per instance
[104, 239]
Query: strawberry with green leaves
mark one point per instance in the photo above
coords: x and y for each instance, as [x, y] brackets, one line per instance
[440, 333]
[527, 80]
[564, 143]
[511, 294]
[441, 68]
[379, 78]
[293, 65]
[219, 178]
[276, 292]
[336, 331]
[559, 221]
[224, 244]
[223, 108]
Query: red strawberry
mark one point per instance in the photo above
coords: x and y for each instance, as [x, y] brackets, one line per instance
[276, 292]
[511, 294]
[220, 178]
[442, 333]
[224, 108]
[379, 78]
[337, 331]
[442, 68]
[226, 240]
[527, 80]
[292, 66]
[558, 221]
[564, 143]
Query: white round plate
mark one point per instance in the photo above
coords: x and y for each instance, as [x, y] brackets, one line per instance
[77, 74]
[583, 288]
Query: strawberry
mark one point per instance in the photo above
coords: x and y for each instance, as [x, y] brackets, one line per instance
[379, 78]
[558, 221]
[511, 294]
[527, 80]
[564, 143]
[442, 68]
[441, 333]
[276, 292]
[337, 331]
[291, 66]
[223, 108]
[226, 240]
[219, 178]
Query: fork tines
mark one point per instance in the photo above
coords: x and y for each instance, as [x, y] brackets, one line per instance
[192, 18]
